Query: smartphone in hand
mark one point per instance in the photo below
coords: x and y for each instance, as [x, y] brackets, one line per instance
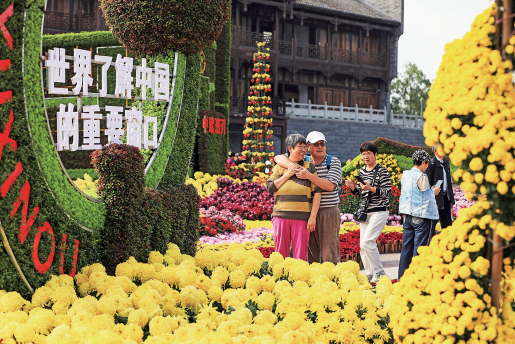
[438, 184]
[359, 179]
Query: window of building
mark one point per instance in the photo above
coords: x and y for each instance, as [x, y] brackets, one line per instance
[307, 77]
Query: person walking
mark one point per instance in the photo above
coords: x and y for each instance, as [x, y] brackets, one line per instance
[418, 206]
[374, 190]
[324, 240]
[439, 169]
[296, 202]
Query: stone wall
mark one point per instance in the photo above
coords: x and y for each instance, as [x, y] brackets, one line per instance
[345, 137]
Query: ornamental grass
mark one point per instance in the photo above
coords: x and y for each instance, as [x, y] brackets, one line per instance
[233, 296]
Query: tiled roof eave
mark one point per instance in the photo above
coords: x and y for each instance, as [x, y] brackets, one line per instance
[350, 14]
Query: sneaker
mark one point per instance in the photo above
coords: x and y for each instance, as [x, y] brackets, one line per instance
[370, 277]
[379, 274]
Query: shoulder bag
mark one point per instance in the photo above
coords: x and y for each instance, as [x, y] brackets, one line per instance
[360, 215]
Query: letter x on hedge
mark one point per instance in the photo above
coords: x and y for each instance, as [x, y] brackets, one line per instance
[5, 140]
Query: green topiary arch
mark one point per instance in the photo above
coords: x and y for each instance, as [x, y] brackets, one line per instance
[47, 225]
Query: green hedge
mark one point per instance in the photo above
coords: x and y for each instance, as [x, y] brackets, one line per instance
[387, 146]
[204, 93]
[211, 155]
[210, 72]
[60, 204]
[182, 149]
[141, 220]
[157, 170]
[223, 75]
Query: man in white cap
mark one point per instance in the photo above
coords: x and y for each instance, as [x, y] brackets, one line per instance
[325, 239]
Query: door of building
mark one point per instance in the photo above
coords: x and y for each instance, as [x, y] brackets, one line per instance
[333, 97]
[364, 99]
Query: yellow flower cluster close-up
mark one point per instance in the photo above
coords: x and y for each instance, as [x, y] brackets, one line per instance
[234, 296]
[87, 185]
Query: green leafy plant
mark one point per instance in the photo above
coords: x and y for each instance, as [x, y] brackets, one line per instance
[156, 27]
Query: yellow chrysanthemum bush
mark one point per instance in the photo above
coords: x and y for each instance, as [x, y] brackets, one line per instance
[232, 296]
[386, 160]
[446, 294]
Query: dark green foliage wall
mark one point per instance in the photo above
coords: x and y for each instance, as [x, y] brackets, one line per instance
[223, 74]
[210, 72]
[211, 147]
[182, 149]
[387, 146]
[141, 220]
[204, 93]
[59, 204]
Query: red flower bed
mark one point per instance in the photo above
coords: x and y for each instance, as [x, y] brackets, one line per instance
[212, 227]
[349, 242]
[249, 200]
[387, 238]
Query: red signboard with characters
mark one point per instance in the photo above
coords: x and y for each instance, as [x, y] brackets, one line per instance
[214, 125]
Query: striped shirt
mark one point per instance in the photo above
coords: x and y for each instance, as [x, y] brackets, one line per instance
[380, 200]
[332, 174]
[293, 199]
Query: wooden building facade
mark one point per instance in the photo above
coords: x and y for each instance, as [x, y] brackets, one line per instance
[334, 51]
[63, 16]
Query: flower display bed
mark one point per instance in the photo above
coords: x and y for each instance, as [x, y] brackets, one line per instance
[233, 296]
[249, 200]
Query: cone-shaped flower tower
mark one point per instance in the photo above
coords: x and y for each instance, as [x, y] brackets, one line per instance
[257, 145]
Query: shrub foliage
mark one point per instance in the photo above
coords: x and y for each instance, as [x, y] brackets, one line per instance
[140, 220]
[154, 27]
[387, 146]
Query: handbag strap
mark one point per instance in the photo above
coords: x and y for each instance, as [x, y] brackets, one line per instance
[370, 192]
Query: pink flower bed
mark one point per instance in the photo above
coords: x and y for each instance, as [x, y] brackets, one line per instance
[253, 235]
[393, 220]
[224, 214]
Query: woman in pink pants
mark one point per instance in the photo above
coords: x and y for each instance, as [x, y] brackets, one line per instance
[296, 201]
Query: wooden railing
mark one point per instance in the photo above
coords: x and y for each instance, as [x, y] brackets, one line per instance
[311, 51]
[239, 106]
[285, 47]
[308, 51]
[346, 56]
[374, 60]
[249, 38]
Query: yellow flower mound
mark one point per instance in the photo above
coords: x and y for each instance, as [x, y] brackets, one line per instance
[386, 160]
[444, 296]
[214, 297]
[87, 185]
[471, 113]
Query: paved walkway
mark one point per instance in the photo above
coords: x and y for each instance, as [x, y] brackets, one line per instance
[390, 264]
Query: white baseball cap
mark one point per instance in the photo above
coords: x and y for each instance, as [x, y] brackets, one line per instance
[315, 136]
